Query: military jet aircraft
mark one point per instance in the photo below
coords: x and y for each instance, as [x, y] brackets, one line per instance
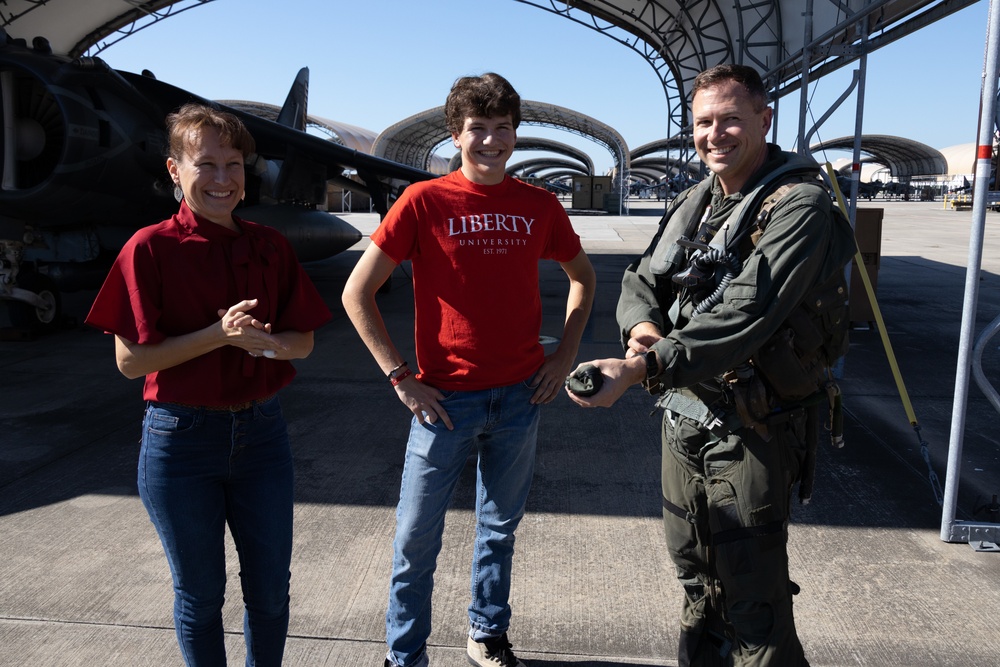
[865, 190]
[82, 165]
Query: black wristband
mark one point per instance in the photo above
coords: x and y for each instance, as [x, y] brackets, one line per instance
[652, 365]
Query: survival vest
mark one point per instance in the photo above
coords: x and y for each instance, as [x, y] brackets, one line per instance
[795, 362]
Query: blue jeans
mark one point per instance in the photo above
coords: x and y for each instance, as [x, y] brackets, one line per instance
[502, 426]
[198, 471]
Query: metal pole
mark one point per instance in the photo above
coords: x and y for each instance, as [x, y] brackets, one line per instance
[804, 90]
[852, 205]
[774, 121]
[984, 154]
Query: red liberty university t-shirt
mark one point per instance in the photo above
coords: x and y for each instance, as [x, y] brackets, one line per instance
[474, 250]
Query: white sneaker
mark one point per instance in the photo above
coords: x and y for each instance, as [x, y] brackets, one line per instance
[493, 652]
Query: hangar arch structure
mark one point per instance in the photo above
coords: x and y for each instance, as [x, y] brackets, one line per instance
[351, 136]
[904, 158]
[532, 167]
[558, 147]
[412, 141]
[540, 144]
[559, 175]
[666, 167]
[674, 157]
[675, 143]
[791, 42]
[344, 134]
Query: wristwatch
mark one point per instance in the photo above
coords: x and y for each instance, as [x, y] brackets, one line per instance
[651, 384]
[652, 365]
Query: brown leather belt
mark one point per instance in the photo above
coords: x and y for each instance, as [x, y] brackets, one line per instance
[235, 407]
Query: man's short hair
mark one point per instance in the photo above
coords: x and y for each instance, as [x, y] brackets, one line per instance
[741, 74]
[486, 96]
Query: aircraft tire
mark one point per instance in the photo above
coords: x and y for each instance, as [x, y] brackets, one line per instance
[25, 316]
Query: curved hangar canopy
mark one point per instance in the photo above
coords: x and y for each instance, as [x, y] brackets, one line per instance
[679, 38]
[536, 144]
[412, 141]
[535, 166]
[72, 27]
[351, 136]
[903, 157]
[552, 146]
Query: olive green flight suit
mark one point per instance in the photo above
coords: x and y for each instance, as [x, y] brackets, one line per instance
[726, 491]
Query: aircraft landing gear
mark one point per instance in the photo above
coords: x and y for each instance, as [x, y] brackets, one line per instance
[36, 305]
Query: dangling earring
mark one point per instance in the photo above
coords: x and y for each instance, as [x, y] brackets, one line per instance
[178, 193]
[243, 196]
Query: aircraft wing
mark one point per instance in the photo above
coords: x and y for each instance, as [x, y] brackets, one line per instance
[380, 177]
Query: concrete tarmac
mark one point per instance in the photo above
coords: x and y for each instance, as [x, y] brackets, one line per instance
[83, 580]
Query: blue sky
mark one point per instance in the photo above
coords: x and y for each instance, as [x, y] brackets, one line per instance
[375, 63]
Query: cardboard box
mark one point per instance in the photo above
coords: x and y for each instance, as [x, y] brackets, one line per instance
[868, 232]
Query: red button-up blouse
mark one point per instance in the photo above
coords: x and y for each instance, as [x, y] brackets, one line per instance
[172, 278]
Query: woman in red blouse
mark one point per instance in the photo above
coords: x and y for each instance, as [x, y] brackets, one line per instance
[210, 309]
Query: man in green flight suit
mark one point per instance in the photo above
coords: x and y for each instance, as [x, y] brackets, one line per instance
[733, 317]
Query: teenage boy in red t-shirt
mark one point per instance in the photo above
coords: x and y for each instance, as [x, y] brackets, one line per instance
[474, 238]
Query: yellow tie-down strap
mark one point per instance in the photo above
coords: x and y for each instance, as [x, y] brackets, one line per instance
[875, 309]
[897, 376]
